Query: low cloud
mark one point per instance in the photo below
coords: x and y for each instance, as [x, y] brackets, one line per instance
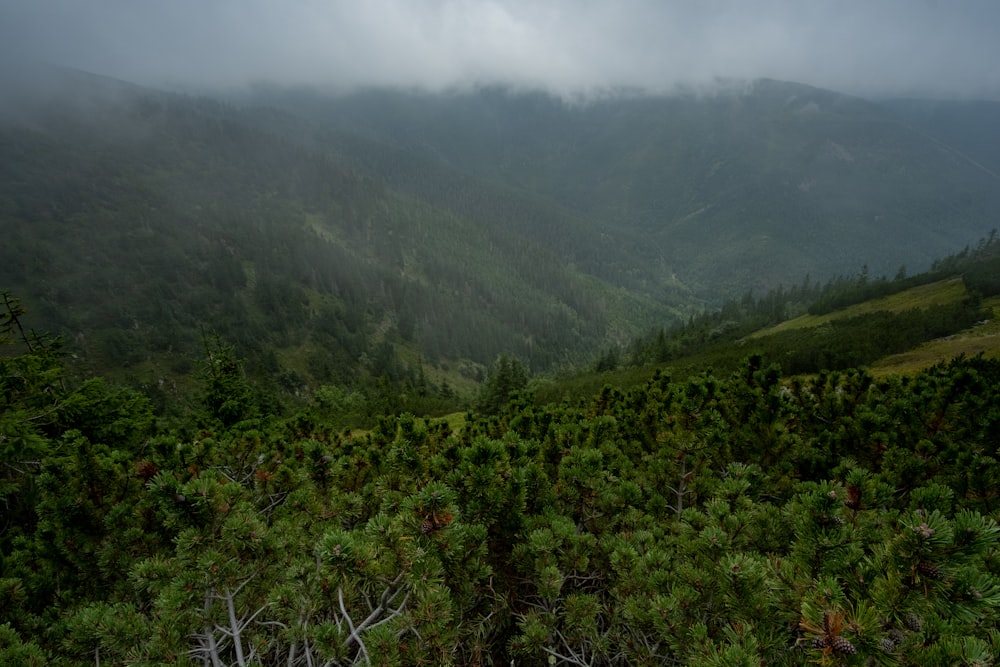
[882, 47]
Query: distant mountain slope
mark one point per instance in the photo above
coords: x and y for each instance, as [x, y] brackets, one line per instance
[748, 186]
[971, 126]
[325, 235]
[134, 220]
[597, 247]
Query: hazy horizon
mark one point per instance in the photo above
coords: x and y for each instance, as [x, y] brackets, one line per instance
[916, 48]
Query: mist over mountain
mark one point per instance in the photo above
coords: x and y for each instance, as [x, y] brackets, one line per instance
[488, 332]
[970, 126]
[914, 48]
[339, 238]
[749, 185]
[136, 221]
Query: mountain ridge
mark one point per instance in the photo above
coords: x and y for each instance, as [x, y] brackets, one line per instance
[322, 248]
[791, 162]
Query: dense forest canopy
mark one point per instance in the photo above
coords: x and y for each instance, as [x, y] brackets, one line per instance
[741, 519]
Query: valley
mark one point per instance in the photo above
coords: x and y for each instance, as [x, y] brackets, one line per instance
[488, 377]
[339, 239]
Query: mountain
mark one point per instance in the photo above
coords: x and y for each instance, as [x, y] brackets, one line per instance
[137, 222]
[741, 490]
[970, 126]
[750, 185]
[389, 236]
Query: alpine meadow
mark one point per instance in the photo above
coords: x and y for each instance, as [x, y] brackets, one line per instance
[492, 371]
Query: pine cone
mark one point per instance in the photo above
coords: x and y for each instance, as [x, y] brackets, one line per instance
[853, 500]
[913, 622]
[929, 570]
[841, 645]
[887, 644]
[427, 526]
[145, 470]
[897, 636]
[819, 642]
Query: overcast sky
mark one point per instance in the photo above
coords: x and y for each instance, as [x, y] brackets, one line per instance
[867, 47]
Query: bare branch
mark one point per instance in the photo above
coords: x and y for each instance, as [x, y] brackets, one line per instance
[237, 644]
[574, 660]
[577, 659]
[350, 624]
[396, 612]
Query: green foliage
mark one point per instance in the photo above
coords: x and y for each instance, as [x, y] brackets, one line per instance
[15, 651]
[504, 378]
[730, 520]
[742, 516]
[227, 397]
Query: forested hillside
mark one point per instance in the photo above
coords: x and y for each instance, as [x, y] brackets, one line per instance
[225, 453]
[971, 126]
[889, 325]
[138, 223]
[743, 185]
[495, 334]
[389, 243]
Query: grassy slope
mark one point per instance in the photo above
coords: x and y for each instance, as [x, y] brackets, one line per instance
[923, 296]
[980, 339]
[983, 338]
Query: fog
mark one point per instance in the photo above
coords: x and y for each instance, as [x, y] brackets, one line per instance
[877, 48]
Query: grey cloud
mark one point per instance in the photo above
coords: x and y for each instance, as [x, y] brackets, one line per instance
[877, 47]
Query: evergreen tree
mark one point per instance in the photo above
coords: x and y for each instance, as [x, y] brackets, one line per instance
[503, 378]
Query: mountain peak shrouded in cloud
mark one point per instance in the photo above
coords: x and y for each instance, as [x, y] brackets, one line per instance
[881, 48]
